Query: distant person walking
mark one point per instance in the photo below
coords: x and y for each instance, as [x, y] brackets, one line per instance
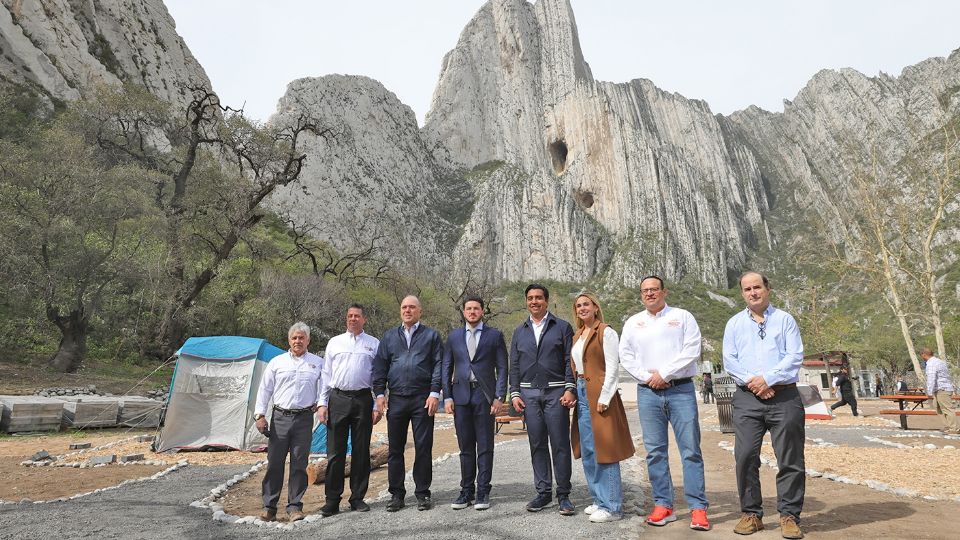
[291, 381]
[877, 386]
[845, 389]
[762, 351]
[940, 390]
[706, 388]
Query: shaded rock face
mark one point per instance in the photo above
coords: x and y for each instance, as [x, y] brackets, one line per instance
[66, 48]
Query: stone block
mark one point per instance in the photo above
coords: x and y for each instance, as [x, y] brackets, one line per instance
[41, 455]
[103, 460]
[146, 438]
[80, 445]
[131, 457]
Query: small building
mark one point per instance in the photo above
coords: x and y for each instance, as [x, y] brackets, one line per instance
[819, 369]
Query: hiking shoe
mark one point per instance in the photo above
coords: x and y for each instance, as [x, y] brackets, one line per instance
[463, 501]
[698, 520]
[395, 504]
[603, 516]
[748, 524]
[330, 509]
[296, 515]
[789, 527]
[591, 509]
[660, 516]
[566, 507]
[268, 514]
[539, 503]
[483, 502]
[359, 506]
[424, 503]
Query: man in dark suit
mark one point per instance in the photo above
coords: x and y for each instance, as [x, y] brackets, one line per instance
[474, 387]
[409, 362]
[541, 381]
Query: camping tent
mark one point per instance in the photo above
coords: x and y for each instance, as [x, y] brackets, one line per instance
[213, 394]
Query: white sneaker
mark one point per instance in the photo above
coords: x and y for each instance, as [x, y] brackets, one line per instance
[591, 509]
[603, 516]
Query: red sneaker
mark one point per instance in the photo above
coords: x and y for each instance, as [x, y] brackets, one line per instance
[660, 516]
[699, 521]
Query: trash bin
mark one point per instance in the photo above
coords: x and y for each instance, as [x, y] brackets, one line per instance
[723, 389]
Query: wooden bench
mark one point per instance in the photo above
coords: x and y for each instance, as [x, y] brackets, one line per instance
[903, 414]
[504, 419]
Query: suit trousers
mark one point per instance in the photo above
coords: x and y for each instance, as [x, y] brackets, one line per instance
[783, 416]
[402, 411]
[349, 415]
[288, 434]
[475, 429]
[548, 422]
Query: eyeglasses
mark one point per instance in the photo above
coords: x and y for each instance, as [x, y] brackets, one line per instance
[763, 328]
[650, 290]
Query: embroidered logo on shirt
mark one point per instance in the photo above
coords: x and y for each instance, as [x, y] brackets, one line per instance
[674, 323]
[641, 324]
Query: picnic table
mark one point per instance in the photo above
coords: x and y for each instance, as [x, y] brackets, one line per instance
[905, 399]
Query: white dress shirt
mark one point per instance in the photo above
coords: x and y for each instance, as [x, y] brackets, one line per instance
[408, 332]
[668, 342]
[611, 361]
[292, 382]
[348, 364]
[538, 327]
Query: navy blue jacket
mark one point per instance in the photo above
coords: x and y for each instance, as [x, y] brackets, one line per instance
[408, 371]
[544, 366]
[489, 365]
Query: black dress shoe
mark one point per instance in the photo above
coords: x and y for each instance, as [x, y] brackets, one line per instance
[359, 506]
[463, 501]
[424, 503]
[395, 504]
[330, 509]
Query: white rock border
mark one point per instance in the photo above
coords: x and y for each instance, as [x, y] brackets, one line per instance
[179, 465]
[872, 484]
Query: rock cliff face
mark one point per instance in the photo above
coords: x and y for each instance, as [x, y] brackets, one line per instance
[66, 48]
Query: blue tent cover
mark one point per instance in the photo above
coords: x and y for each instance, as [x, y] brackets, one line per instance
[229, 348]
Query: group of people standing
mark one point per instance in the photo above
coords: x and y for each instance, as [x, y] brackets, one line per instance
[553, 369]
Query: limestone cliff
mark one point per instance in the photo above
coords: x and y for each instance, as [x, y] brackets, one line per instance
[66, 48]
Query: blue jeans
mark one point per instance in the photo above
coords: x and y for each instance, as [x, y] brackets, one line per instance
[603, 479]
[676, 405]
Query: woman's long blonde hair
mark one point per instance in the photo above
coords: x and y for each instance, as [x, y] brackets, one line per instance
[593, 298]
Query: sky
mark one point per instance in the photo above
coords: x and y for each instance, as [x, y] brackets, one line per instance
[731, 54]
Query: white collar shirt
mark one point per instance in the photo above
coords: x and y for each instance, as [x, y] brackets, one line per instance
[290, 382]
[408, 332]
[668, 343]
[538, 327]
[938, 376]
[348, 364]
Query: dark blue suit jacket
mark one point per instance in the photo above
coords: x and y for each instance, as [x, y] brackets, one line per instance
[489, 365]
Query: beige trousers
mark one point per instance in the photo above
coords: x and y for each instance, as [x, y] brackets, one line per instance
[945, 409]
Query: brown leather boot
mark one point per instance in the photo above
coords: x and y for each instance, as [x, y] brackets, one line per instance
[748, 524]
[268, 515]
[789, 527]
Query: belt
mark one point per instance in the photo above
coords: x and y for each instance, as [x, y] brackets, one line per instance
[359, 393]
[291, 412]
[776, 387]
[675, 382]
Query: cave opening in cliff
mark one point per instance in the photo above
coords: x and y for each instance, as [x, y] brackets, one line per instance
[583, 198]
[558, 153]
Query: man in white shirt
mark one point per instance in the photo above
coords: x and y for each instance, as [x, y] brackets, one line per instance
[346, 402]
[290, 382]
[940, 390]
[660, 347]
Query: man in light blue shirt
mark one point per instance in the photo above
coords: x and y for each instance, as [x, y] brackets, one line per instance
[762, 351]
[940, 390]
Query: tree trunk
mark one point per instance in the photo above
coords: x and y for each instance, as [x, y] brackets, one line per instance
[73, 340]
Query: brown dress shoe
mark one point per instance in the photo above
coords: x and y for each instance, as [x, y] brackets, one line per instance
[789, 527]
[268, 515]
[748, 524]
[296, 515]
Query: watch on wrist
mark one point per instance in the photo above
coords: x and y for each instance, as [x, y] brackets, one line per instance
[257, 416]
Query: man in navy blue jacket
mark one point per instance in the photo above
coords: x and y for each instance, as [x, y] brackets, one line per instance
[474, 388]
[408, 362]
[541, 381]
